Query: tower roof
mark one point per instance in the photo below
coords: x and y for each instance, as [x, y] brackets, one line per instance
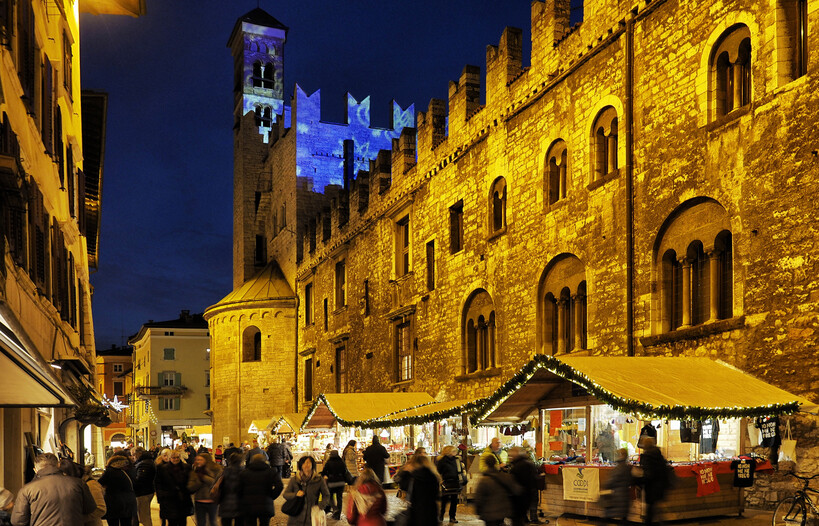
[261, 17]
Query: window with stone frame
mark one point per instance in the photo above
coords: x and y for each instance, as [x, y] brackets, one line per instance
[403, 344]
[251, 344]
[730, 71]
[341, 368]
[694, 268]
[792, 39]
[308, 379]
[309, 315]
[341, 284]
[563, 309]
[402, 246]
[257, 74]
[557, 171]
[430, 265]
[479, 333]
[267, 75]
[456, 227]
[604, 142]
[497, 206]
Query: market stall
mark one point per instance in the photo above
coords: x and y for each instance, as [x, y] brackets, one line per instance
[696, 408]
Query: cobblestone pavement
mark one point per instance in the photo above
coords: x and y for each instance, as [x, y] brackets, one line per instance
[466, 517]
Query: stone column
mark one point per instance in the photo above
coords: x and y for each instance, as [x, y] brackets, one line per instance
[561, 326]
[686, 291]
[713, 283]
[611, 149]
[562, 175]
[577, 301]
[736, 69]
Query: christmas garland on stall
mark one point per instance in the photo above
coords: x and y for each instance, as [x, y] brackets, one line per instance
[624, 405]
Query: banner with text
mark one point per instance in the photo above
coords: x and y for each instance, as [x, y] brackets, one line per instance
[581, 484]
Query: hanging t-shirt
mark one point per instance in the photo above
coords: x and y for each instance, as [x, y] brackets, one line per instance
[743, 472]
[690, 431]
[769, 429]
[707, 482]
[708, 436]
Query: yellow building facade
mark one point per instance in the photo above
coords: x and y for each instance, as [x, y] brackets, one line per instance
[115, 383]
[51, 143]
[171, 368]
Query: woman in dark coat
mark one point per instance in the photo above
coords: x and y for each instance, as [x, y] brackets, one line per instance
[175, 502]
[230, 510]
[452, 476]
[259, 486]
[421, 481]
[655, 477]
[309, 484]
[120, 499]
[335, 474]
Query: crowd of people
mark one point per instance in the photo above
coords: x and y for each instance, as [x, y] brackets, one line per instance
[237, 486]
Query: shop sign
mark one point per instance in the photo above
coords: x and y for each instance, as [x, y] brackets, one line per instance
[581, 484]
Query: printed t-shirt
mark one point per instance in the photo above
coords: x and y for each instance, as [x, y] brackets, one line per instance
[743, 472]
[709, 435]
[707, 482]
[769, 429]
[690, 431]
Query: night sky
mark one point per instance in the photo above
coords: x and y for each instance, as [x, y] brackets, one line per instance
[166, 236]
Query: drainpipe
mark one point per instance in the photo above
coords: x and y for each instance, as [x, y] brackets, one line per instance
[629, 110]
[296, 361]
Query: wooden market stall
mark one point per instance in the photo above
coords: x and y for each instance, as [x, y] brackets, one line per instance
[582, 400]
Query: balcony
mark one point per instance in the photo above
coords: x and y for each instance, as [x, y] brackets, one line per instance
[146, 391]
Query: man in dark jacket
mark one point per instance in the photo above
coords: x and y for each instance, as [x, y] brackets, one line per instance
[655, 477]
[495, 493]
[259, 486]
[375, 456]
[231, 449]
[524, 472]
[52, 499]
[144, 483]
[256, 450]
[276, 455]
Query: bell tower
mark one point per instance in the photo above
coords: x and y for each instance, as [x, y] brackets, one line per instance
[257, 46]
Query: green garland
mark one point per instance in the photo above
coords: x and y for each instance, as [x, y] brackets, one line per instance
[89, 409]
[624, 405]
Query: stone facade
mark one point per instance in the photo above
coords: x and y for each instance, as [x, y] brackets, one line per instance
[643, 188]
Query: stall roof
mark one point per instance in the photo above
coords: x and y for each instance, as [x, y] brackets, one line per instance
[662, 387]
[427, 413]
[359, 409]
[287, 423]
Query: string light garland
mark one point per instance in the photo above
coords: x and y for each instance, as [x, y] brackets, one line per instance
[642, 410]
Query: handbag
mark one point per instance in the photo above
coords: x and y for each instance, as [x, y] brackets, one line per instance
[317, 517]
[293, 506]
[215, 490]
[787, 450]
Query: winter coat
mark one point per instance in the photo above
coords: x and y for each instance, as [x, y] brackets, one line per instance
[145, 475]
[350, 456]
[335, 471]
[172, 491]
[524, 472]
[618, 502]
[369, 497]
[120, 499]
[252, 453]
[494, 494]
[259, 486]
[200, 482]
[450, 474]
[655, 474]
[95, 517]
[315, 489]
[276, 454]
[423, 495]
[375, 456]
[52, 499]
[229, 493]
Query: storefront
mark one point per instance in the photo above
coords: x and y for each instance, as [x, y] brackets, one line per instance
[589, 407]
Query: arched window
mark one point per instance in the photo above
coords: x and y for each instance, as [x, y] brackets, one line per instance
[479, 333]
[731, 71]
[497, 205]
[563, 308]
[252, 344]
[257, 74]
[267, 77]
[267, 120]
[556, 171]
[604, 136]
[694, 267]
[257, 114]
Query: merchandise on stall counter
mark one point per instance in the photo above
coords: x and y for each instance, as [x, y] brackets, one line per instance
[744, 469]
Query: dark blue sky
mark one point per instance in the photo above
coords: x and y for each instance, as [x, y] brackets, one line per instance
[166, 225]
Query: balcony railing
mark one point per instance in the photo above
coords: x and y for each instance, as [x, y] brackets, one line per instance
[145, 391]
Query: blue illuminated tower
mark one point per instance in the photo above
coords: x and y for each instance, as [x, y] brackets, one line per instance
[257, 44]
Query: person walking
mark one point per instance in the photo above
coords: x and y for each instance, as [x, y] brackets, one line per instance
[453, 478]
[51, 498]
[310, 485]
[335, 475]
[276, 455]
[617, 501]
[524, 471]
[144, 484]
[350, 457]
[218, 455]
[367, 503]
[375, 457]
[172, 490]
[202, 477]
[288, 460]
[494, 494]
[422, 483]
[72, 469]
[655, 477]
[230, 510]
[493, 450]
[259, 486]
[120, 499]
[255, 450]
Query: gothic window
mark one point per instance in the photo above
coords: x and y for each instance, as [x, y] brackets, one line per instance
[497, 205]
[267, 76]
[556, 171]
[252, 344]
[731, 71]
[257, 74]
[792, 39]
[563, 306]
[604, 137]
[479, 333]
[694, 268]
